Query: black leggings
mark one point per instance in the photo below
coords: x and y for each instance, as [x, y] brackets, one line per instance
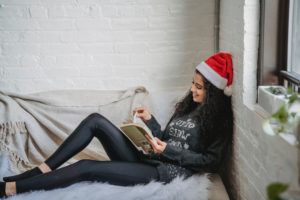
[123, 169]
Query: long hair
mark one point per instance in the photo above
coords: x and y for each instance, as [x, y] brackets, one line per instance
[216, 109]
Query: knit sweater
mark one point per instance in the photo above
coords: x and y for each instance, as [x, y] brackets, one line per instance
[188, 151]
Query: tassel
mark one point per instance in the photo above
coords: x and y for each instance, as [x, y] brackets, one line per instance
[228, 90]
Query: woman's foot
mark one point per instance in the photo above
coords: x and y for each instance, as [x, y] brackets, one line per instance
[33, 172]
[7, 189]
[43, 168]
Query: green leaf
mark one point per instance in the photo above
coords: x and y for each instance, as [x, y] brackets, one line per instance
[275, 189]
[293, 114]
[282, 114]
[290, 90]
[294, 97]
[276, 90]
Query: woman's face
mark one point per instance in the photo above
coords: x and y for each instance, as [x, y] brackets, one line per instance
[197, 88]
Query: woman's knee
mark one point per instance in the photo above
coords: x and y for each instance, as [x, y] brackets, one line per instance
[94, 116]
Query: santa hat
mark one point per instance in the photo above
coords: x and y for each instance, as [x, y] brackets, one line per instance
[217, 69]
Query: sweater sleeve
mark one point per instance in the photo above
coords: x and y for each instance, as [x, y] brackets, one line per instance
[155, 127]
[209, 160]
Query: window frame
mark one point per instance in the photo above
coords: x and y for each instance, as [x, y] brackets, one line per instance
[285, 77]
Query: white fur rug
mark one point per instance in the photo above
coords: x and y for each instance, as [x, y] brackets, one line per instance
[195, 187]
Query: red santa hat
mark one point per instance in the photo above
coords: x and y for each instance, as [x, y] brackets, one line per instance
[217, 69]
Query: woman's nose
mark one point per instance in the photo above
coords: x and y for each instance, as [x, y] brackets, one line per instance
[192, 88]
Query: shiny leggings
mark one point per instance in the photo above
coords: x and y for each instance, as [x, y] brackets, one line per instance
[123, 169]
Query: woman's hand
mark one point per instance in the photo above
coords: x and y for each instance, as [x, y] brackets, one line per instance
[143, 113]
[158, 145]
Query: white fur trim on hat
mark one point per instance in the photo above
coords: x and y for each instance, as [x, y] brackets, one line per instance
[228, 90]
[212, 76]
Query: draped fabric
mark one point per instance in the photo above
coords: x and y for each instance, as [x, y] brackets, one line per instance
[32, 126]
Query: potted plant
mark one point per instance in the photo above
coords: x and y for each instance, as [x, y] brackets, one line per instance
[271, 98]
[284, 121]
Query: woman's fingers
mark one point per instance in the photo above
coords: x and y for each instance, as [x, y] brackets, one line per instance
[142, 113]
[148, 137]
[158, 141]
[158, 145]
[161, 145]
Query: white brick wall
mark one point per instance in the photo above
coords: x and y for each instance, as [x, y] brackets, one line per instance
[102, 44]
[259, 159]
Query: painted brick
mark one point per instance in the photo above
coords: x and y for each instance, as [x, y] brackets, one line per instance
[102, 36]
[174, 22]
[160, 10]
[38, 12]
[1, 73]
[19, 3]
[129, 24]
[86, 39]
[51, 73]
[10, 60]
[13, 12]
[40, 37]
[12, 24]
[260, 159]
[92, 24]
[114, 59]
[131, 47]
[161, 58]
[59, 48]
[32, 61]
[20, 49]
[48, 61]
[27, 73]
[95, 71]
[133, 11]
[8, 36]
[56, 12]
[57, 2]
[55, 24]
[96, 49]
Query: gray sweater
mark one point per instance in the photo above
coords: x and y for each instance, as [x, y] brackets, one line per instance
[188, 151]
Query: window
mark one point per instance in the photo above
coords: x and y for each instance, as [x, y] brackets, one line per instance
[292, 72]
[294, 37]
[279, 58]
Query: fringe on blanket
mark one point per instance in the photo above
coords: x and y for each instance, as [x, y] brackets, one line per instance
[7, 130]
[10, 128]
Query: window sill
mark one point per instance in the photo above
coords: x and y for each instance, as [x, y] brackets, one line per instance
[269, 103]
[289, 138]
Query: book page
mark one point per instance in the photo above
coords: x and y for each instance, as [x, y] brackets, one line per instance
[136, 132]
[140, 122]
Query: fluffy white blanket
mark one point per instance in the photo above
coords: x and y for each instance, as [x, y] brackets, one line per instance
[195, 187]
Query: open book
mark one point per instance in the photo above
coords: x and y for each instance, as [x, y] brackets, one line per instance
[136, 132]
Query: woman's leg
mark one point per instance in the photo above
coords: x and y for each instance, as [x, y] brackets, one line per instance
[113, 172]
[114, 142]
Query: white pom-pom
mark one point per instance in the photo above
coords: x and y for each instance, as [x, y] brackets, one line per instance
[228, 90]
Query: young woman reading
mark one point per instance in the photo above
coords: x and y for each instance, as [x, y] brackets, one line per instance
[196, 140]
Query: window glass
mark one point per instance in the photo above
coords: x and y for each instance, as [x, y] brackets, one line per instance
[294, 37]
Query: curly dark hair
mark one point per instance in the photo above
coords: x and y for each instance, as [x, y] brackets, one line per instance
[215, 118]
[215, 110]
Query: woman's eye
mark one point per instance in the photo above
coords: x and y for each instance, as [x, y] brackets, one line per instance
[199, 87]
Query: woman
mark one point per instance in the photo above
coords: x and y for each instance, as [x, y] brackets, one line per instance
[195, 140]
